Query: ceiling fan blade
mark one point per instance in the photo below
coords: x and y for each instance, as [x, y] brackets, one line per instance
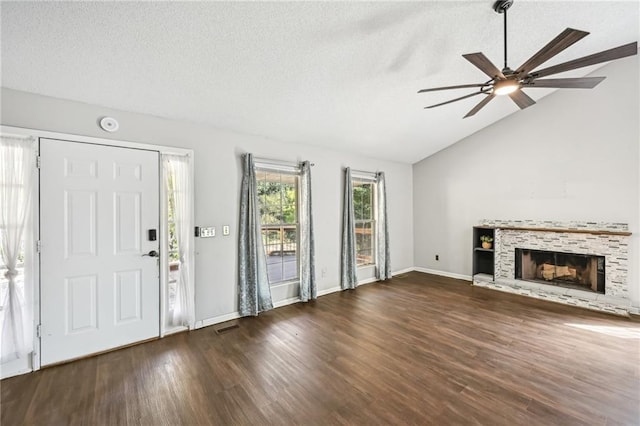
[456, 99]
[567, 83]
[604, 56]
[460, 86]
[555, 46]
[521, 99]
[484, 64]
[480, 105]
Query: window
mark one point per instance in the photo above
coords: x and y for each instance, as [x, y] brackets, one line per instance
[363, 209]
[177, 239]
[278, 199]
[17, 155]
[174, 256]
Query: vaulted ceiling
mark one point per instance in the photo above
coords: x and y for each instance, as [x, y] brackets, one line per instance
[340, 75]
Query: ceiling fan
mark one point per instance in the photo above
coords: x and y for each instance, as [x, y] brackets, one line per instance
[510, 82]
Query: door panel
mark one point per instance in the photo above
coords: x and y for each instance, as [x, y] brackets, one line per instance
[80, 223]
[128, 296]
[81, 304]
[127, 230]
[98, 292]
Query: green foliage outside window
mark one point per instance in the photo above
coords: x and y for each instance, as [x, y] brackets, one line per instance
[363, 200]
[277, 202]
[277, 196]
[171, 203]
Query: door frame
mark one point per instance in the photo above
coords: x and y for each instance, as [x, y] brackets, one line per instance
[33, 363]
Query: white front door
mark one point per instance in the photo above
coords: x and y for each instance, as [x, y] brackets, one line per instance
[98, 290]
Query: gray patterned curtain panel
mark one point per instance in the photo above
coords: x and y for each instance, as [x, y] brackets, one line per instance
[254, 291]
[383, 258]
[348, 276]
[308, 289]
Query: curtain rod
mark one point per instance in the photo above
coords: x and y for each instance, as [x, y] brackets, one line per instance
[278, 162]
[18, 136]
[175, 154]
[363, 172]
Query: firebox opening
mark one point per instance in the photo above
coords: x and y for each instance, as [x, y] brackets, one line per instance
[581, 271]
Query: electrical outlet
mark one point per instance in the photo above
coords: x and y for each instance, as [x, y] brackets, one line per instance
[225, 230]
[437, 257]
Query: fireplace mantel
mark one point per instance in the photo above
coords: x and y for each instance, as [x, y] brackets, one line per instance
[567, 230]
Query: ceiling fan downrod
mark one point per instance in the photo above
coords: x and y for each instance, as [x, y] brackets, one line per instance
[501, 6]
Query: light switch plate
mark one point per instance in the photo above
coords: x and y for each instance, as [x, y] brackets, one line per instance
[207, 231]
[225, 230]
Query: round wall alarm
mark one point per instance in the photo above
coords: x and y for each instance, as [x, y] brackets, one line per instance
[109, 124]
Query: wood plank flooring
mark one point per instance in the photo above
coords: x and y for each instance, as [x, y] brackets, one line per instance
[418, 349]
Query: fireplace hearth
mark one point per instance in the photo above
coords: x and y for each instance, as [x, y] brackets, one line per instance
[580, 271]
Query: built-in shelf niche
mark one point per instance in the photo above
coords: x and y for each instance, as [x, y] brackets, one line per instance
[483, 260]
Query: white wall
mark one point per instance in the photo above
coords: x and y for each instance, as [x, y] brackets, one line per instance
[573, 156]
[217, 183]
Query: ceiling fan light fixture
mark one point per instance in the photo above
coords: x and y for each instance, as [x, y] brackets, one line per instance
[504, 87]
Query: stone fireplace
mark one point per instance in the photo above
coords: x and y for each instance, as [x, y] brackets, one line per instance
[576, 263]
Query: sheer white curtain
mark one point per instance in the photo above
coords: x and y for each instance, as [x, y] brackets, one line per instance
[177, 175]
[17, 156]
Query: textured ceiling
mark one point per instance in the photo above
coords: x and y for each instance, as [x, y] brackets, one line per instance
[341, 75]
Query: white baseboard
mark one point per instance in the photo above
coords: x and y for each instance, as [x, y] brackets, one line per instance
[6, 373]
[286, 302]
[174, 330]
[443, 273]
[362, 282]
[329, 291]
[367, 281]
[16, 367]
[217, 320]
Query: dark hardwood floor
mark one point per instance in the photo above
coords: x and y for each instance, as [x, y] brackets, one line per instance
[418, 349]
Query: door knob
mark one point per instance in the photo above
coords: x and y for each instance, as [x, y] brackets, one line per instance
[152, 253]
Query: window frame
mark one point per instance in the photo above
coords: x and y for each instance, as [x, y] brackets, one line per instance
[24, 250]
[369, 179]
[165, 262]
[289, 170]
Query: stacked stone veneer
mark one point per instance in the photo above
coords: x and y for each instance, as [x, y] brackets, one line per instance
[614, 248]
